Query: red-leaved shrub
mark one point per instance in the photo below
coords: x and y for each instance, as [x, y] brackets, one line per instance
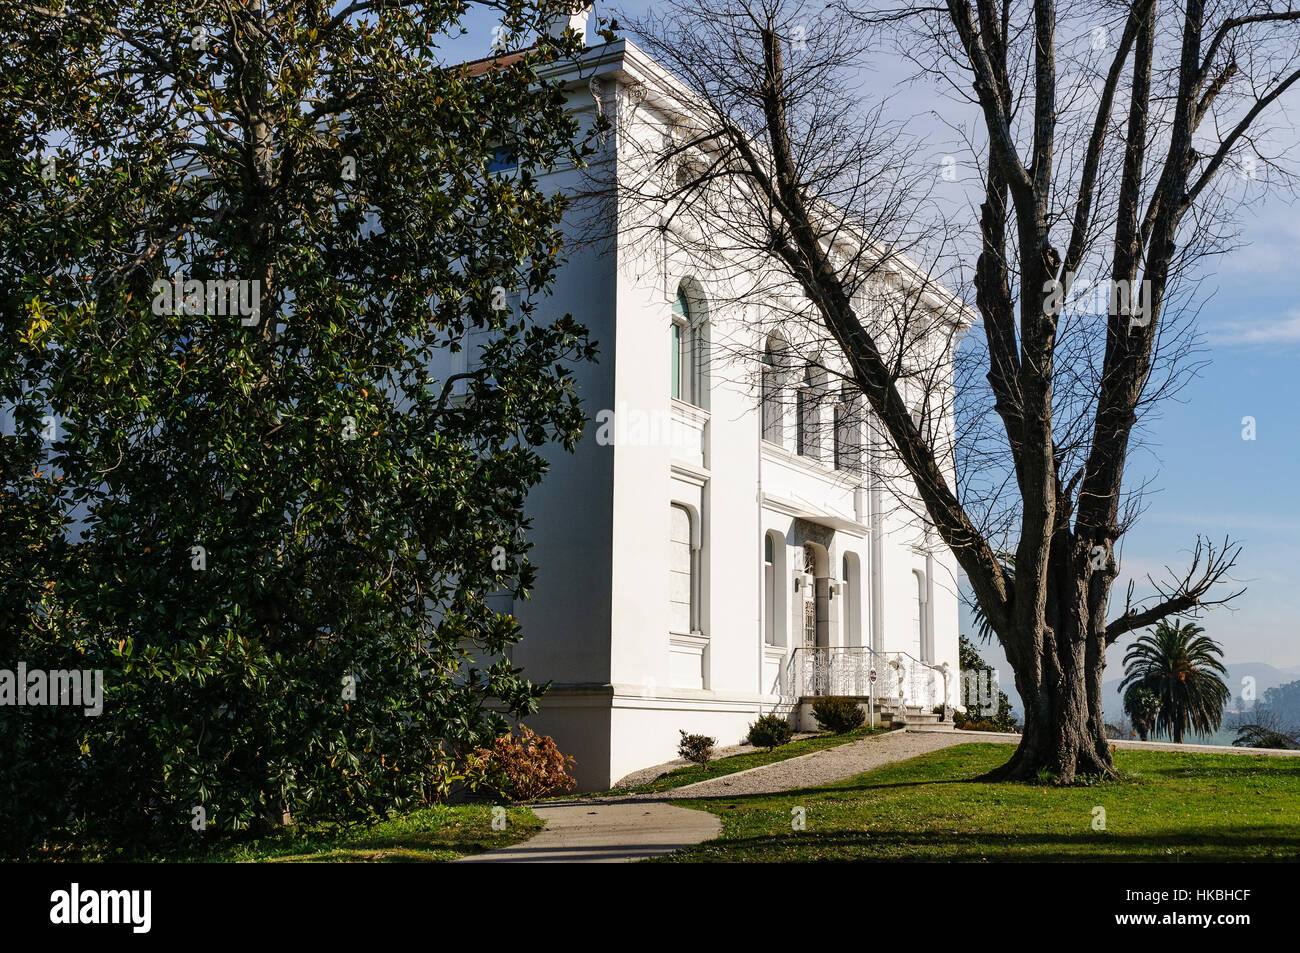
[520, 768]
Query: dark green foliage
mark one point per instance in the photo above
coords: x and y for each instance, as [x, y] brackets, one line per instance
[970, 660]
[336, 654]
[1266, 730]
[770, 731]
[838, 714]
[697, 749]
[1142, 705]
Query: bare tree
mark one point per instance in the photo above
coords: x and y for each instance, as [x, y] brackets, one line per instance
[1100, 137]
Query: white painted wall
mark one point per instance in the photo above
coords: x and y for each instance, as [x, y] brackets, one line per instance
[598, 625]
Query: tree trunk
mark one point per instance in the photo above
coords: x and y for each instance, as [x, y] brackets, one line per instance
[1059, 680]
[1060, 735]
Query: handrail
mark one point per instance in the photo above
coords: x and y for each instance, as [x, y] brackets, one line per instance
[836, 666]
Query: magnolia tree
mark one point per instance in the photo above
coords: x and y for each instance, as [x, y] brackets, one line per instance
[1107, 148]
[236, 237]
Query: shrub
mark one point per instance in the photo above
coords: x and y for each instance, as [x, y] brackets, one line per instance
[977, 724]
[770, 731]
[697, 749]
[522, 768]
[838, 714]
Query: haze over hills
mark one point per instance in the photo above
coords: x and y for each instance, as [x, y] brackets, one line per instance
[1266, 676]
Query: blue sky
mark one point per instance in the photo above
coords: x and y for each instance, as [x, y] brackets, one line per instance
[1204, 478]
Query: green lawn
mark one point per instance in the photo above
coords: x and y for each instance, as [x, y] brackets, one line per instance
[1172, 806]
[432, 834]
[689, 774]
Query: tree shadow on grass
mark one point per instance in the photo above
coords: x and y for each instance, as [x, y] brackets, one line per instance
[1278, 843]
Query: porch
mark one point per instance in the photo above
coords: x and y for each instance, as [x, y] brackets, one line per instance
[894, 688]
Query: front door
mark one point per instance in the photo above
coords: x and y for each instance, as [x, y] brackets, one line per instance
[810, 598]
[818, 662]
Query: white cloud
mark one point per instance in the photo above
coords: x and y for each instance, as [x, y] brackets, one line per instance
[1282, 330]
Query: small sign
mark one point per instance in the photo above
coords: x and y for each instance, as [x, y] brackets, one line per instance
[873, 675]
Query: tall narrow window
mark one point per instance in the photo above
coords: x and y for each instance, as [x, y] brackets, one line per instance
[686, 341]
[771, 397]
[682, 573]
[851, 603]
[675, 335]
[769, 590]
[807, 438]
[848, 436]
[841, 438]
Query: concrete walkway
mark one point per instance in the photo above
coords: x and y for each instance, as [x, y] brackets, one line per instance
[822, 767]
[606, 831]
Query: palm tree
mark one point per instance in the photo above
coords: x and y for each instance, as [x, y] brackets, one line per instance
[1181, 666]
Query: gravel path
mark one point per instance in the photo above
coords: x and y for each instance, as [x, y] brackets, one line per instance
[820, 767]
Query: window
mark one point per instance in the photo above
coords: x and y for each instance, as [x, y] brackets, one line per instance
[675, 347]
[851, 599]
[683, 573]
[848, 436]
[776, 581]
[771, 391]
[686, 347]
[503, 159]
[474, 340]
[769, 590]
[807, 438]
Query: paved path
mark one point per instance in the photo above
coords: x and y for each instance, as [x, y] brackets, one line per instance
[607, 831]
[822, 767]
[637, 826]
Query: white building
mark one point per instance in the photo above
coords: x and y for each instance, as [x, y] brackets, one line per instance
[710, 552]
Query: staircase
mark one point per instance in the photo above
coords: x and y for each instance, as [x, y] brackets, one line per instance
[890, 715]
[911, 717]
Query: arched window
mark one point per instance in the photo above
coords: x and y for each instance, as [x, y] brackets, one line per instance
[687, 349]
[851, 601]
[807, 431]
[683, 572]
[775, 583]
[769, 590]
[771, 396]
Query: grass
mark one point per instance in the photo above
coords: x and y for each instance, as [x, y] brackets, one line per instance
[429, 835]
[689, 774]
[1169, 807]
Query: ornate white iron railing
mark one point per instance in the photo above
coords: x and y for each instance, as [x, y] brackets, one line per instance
[891, 678]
